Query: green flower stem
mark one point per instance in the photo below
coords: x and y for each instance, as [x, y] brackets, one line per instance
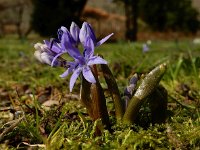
[147, 86]
[114, 91]
[99, 102]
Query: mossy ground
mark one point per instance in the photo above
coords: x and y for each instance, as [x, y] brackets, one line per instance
[53, 118]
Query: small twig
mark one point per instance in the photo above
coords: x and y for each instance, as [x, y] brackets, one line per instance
[188, 107]
[7, 109]
[17, 121]
[7, 123]
[72, 96]
[32, 145]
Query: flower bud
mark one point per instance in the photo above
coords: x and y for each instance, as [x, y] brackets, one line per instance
[37, 55]
[75, 30]
[86, 31]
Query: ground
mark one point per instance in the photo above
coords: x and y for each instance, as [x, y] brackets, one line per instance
[37, 109]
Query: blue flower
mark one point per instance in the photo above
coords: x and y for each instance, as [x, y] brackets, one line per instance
[86, 30]
[46, 55]
[75, 30]
[82, 63]
[73, 34]
[67, 42]
[145, 48]
[54, 50]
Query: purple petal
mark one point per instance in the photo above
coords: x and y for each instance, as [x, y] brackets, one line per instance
[61, 31]
[104, 39]
[83, 33]
[68, 37]
[53, 46]
[91, 31]
[87, 73]
[73, 78]
[89, 48]
[81, 60]
[55, 57]
[56, 48]
[75, 30]
[66, 73]
[96, 60]
[67, 45]
[64, 29]
[86, 30]
[48, 43]
[145, 48]
[72, 64]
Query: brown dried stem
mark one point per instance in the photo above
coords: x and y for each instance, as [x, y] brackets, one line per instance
[99, 102]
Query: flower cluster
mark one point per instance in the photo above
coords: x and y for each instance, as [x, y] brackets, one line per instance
[67, 42]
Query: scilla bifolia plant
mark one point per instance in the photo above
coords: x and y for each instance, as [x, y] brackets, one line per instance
[91, 93]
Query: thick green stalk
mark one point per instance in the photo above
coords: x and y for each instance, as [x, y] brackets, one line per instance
[147, 86]
[114, 91]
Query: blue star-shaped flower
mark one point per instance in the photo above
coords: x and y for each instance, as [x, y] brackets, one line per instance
[73, 34]
[86, 30]
[45, 54]
[82, 63]
[67, 42]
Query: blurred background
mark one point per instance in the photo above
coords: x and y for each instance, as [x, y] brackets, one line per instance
[128, 19]
[37, 110]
